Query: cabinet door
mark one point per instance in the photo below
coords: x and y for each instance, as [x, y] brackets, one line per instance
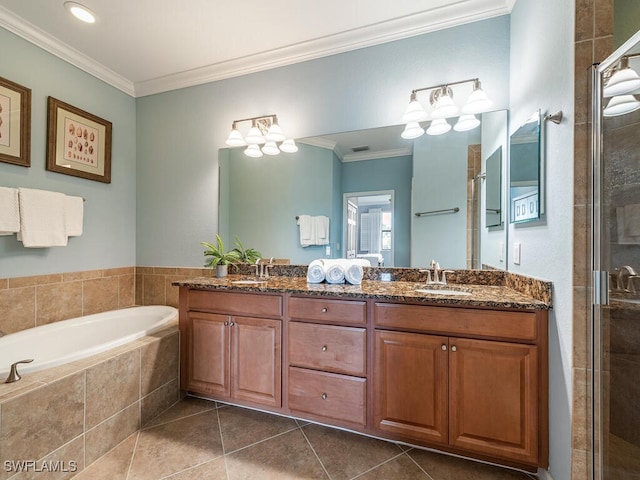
[410, 385]
[256, 360]
[208, 361]
[494, 403]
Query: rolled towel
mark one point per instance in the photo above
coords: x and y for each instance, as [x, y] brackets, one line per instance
[353, 272]
[315, 272]
[334, 272]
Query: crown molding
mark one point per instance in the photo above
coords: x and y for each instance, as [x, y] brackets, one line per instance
[360, 156]
[462, 12]
[42, 39]
[459, 13]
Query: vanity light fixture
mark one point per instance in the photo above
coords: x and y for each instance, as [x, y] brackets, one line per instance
[443, 107]
[80, 12]
[264, 131]
[624, 80]
[621, 105]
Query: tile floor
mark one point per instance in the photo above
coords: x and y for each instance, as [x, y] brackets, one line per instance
[197, 439]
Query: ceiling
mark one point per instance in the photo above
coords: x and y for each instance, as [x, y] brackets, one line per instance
[144, 47]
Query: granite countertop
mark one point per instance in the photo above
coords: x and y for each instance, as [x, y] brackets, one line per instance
[481, 295]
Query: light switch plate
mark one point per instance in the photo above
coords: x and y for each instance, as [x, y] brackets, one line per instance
[516, 253]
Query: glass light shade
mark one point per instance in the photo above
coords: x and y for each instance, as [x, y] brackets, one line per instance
[275, 133]
[288, 146]
[412, 130]
[438, 127]
[621, 105]
[235, 139]
[80, 12]
[270, 148]
[254, 137]
[444, 108]
[253, 151]
[477, 102]
[415, 112]
[622, 82]
[466, 123]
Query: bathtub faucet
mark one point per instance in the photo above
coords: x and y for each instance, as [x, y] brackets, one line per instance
[14, 376]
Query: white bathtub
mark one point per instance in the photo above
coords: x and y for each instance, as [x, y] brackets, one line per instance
[68, 340]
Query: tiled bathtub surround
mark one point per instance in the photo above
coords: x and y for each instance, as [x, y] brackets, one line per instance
[77, 412]
[27, 302]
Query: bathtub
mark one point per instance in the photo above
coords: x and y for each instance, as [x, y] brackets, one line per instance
[69, 340]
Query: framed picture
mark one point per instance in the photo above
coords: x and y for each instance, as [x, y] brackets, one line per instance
[15, 123]
[78, 142]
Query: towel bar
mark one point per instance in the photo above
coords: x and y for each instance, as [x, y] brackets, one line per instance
[435, 212]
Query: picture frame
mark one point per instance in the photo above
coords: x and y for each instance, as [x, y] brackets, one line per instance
[78, 142]
[15, 123]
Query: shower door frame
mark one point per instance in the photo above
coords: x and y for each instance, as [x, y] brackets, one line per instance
[600, 278]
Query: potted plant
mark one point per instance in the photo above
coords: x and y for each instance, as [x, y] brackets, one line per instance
[219, 258]
[247, 255]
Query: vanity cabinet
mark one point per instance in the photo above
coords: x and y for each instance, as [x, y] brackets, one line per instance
[327, 358]
[230, 354]
[472, 394]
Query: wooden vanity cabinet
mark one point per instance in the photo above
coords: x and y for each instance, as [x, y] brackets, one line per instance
[327, 358]
[485, 395]
[230, 355]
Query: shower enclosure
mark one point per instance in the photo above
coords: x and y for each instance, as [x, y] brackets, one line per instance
[616, 265]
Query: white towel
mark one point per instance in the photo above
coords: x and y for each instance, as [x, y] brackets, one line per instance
[334, 272]
[307, 230]
[9, 211]
[322, 229]
[74, 214]
[315, 272]
[42, 218]
[353, 271]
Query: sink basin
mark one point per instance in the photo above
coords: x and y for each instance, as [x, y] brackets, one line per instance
[443, 291]
[248, 282]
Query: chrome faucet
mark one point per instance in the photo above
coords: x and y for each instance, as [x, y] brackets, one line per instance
[14, 376]
[626, 274]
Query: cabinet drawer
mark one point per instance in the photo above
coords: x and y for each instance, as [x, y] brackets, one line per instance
[337, 397]
[328, 347]
[235, 303]
[518, 325]
[324, 310]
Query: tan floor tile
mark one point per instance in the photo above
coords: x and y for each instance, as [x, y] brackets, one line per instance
[241, 427]
[68, 460]
[447, 467]
[185, 408]
[400, 468]
[285, 457]
[213, 470]
[345, 455]
[114, 465]
[173, 447]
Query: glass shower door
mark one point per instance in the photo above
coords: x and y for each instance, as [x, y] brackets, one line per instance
[616, 265]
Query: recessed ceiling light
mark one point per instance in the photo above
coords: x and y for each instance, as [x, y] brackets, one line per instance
[80, 12]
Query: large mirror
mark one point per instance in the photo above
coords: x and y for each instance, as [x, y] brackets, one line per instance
[382, 195]
[525, 167]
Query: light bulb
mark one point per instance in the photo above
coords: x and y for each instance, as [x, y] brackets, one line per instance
[444, 106]
[254, 137]
[80, 12]
[415, 111]
[478, 101]
[438, 127]
[235, 139]
[270, 148]
[621, 105]
[275, 133]
[253, 151]
[466, 123]
[288, 146]
[622, 82]
[412, 130]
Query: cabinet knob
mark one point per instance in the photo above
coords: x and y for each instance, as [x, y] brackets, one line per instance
[232, 323]
[226, 323]
[324, 348]
[324, 309]
[324, 396]
[454, 348]
[443, 347]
